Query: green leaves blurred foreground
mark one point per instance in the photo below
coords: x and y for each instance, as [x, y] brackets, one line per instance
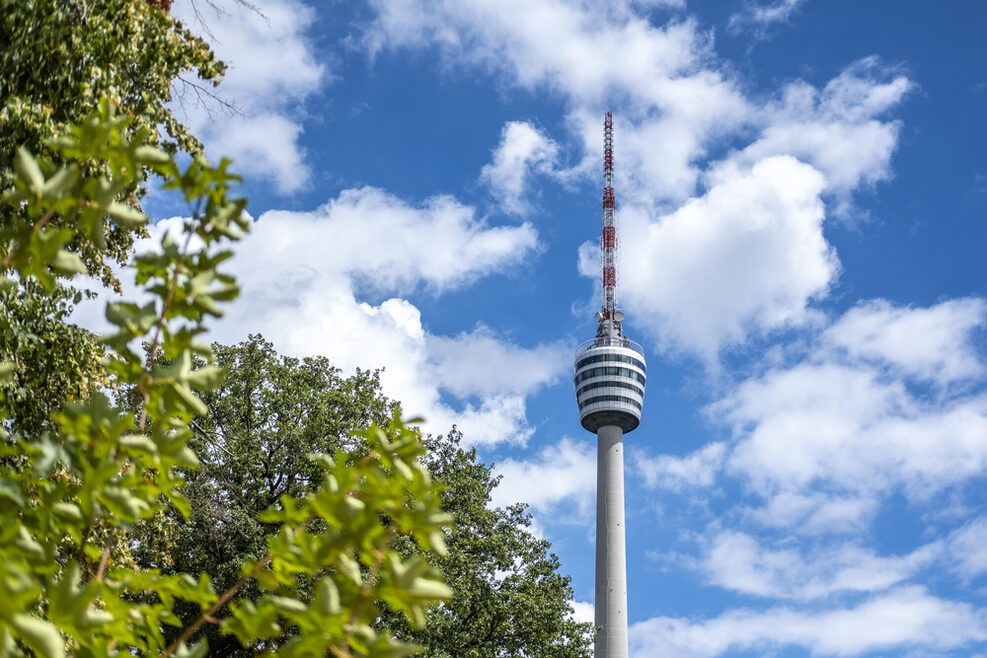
[69, 496]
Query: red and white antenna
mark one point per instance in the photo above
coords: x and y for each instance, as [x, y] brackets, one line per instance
[608, 242]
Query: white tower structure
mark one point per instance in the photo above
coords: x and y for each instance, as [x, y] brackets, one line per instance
[610, 374]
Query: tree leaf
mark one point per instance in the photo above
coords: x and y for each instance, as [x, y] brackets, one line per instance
[40, 635]
[28, 168]
[66, 262]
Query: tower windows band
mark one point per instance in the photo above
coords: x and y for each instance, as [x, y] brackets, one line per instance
[610, 371]
[610, 384]
[609, 398]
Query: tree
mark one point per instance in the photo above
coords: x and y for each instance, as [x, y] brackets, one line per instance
[509, 598]
[84, 87]
[70, 496]
[62, 58]
[268, 414]
[58, 59]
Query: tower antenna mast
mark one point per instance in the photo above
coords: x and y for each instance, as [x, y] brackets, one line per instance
[608, 242]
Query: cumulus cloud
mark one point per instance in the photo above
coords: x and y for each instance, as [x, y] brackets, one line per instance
[673, 99]
[561, 474]
[740, 562]
[676, 106]
[856, 407]
[523, 151]
[592, 54]
[697, 469]
[931, 343]
[812, 512]
[583, 612]
[904, 617]
[865, 409]
[308, 294]
[968, 548]
[857, 435]
[307, 279]
[272, 70]
[750, 253]
[478, 363]
[440, 244]
[839, 129]
[855, 432]
[821, 443]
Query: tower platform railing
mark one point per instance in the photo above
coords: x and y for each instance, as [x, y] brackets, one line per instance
[607, 341]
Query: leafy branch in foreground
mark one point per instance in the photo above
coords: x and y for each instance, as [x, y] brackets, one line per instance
[70, 496]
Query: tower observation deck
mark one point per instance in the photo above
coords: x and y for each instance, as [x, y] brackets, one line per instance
[610, 373]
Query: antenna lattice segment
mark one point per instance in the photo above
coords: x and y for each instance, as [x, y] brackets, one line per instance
[608, 242]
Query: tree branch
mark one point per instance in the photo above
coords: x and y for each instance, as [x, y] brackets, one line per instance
[220, 602]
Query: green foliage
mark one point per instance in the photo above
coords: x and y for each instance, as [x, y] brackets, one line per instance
[59, 58]
[55, 360]
[94, 475]
[365, 504]
[267, 415]
[270, 412]
[70, 497]
[509, 598]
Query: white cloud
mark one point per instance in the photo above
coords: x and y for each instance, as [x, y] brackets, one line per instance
[583, 611]
[968, 548]
[759, 17]
[855, 432]
[263, 145]
[929, 343]
[815, 512]
[837, 129]
[673, 99]
[561, 474]
[740, 562]
[675, 105]
[820, 441]
[823, 439]
[384, 244]
[479, 363]
[272, 70]
[593, 54]
[748, 255]
[697, 469]
[523, 151]
[907, 617]
[305, 279]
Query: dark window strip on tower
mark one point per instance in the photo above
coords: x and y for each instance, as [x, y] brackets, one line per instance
[610, 370]
[610, 383]
[609, 398]
[611, 357]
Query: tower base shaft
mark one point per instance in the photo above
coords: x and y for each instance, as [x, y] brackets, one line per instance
[611, 566]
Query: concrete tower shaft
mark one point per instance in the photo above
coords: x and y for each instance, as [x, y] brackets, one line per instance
[611, 553]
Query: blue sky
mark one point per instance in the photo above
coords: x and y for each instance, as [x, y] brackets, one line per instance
[801, 191]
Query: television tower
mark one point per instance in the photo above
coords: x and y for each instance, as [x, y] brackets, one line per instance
[610, 375]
